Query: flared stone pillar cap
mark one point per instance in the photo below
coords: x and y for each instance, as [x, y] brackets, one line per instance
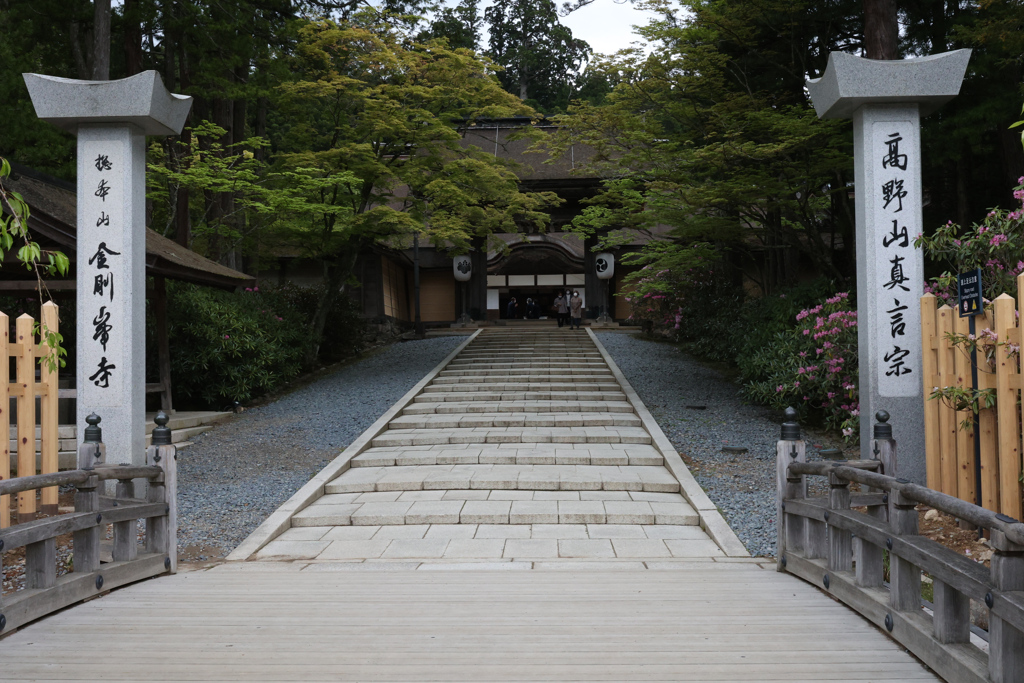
[142, 100]
[849, 82]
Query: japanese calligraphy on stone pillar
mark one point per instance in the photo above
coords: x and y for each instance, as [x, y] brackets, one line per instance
[897, 218]
[101, 260]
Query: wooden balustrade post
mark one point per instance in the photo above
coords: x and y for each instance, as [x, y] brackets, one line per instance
[904, 577]
[91, 453]
[162, 532]
[1005, 643]
[87, 541]
[840, 552]
[868, 557]
[126, 544]
[789, 528]
[41, 564]
[952, 620]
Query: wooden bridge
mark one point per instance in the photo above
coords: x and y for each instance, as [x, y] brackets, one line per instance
[518, 515]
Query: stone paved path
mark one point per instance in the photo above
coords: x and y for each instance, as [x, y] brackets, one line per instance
[524, 447]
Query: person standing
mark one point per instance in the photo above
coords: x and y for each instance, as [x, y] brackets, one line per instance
[561, 308]
[510, 312]
[575, 310]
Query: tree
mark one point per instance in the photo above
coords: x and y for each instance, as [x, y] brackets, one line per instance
[366, 102]
[459, 25]
[711, 136]
[540, 56]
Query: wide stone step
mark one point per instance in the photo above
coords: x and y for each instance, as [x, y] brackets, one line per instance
[494, 542]
[479, 507]
[517, 477]
[500, 385]
[564, 419]
[561, 371]
[496, 395]
[554, 364]
[505, 377]
[495, 435]
[512, 454]
[449, 407]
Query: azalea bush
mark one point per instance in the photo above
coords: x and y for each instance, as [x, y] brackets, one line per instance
[812, 366]
[996, 245]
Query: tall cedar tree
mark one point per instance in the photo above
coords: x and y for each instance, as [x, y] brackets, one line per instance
[540, 56]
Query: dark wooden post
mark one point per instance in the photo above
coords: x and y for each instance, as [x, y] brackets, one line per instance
[904, 577]
[162, 532]
[87, 499]
[840, 553]
[868, 556]
[126, 545]
[789, 528]
[1005, 643]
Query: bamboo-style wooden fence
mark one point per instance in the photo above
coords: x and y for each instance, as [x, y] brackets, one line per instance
[950, 450]
[28, 356]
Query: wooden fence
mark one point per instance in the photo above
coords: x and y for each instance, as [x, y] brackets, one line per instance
[28, 355]
[950, 450]
[827, 541]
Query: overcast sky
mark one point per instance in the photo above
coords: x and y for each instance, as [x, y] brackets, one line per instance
[606, 25]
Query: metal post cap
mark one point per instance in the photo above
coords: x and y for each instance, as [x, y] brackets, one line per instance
[883, 430]
[93, 433]
[790, 428]
[161, 433]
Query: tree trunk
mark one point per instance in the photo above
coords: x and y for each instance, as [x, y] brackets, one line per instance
[881, 30]
[334, 281]
[101, 41]
[132, 38]
[81, 58]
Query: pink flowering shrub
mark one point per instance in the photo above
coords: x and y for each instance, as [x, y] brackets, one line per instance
[996, 245]
[813, 366]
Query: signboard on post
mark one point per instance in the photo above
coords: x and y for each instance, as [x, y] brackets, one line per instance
[968, 289]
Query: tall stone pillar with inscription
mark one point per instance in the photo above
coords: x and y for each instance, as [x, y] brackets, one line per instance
[886, 100]
[111, 120]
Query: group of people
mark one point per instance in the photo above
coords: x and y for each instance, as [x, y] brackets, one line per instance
[568, 307]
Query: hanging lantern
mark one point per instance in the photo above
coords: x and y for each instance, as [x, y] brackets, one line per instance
[604, 264]
[462, 266]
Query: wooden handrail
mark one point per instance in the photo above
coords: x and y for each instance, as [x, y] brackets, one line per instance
[827, 542]
[960, 509]
[48, 587]
[75, 477]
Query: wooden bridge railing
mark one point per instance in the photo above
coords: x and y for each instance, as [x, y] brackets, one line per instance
[46, 591]
[826, 542]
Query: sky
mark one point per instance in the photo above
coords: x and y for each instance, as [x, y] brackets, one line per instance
[607, 25]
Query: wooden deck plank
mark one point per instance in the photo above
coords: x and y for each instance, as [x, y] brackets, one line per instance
[595, 625]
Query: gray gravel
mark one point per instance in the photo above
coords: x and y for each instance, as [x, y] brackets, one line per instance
[701, 412]
[241, 471]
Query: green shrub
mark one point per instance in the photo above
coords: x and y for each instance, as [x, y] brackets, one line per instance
[345, 329]
[812, 366]
[231, 347]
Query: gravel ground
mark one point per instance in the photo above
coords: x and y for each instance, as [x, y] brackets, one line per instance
[237, 474]
[701, 412]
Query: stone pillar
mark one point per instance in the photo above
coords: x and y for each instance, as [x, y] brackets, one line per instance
[886, 99]
[111, 120]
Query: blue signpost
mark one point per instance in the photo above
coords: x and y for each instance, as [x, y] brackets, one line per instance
[972, 303]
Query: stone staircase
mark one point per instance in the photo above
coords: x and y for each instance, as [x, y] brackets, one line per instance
[523, 448]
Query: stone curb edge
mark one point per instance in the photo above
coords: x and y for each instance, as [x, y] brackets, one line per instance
[711, 519]
[280, 520]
